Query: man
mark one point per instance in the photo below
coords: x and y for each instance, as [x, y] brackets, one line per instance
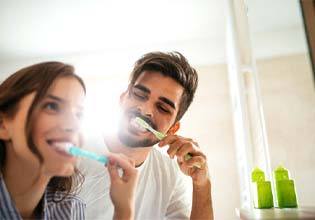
[161, 88]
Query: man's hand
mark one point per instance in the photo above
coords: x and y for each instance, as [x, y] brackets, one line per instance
[122, 188]
[181, 146]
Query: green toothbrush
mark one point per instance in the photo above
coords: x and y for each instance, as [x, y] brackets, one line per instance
[144, 124]
[160, 136]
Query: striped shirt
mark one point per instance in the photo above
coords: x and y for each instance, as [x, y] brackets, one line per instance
[70, 208]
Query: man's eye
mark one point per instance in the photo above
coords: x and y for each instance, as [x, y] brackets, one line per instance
[139, 96]
[51, 106]
[163, 109]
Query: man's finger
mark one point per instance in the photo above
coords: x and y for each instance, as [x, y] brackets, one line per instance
[168, 140]
[185, 149]
[196, 161]
[174, 147]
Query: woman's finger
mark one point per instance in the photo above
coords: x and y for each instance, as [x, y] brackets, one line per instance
[125, 164]
[113, 171]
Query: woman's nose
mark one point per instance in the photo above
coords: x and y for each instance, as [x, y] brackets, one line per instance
[71, 122]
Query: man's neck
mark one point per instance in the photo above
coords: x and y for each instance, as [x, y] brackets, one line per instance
[139, 154]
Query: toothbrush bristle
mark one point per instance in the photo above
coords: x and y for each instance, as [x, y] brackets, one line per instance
[142, 123]
[67, 147]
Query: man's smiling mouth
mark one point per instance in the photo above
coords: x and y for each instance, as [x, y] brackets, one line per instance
[135, 126]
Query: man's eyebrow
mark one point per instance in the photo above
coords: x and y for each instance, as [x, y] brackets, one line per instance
[168, 102]
[143, 88]
[163, 99]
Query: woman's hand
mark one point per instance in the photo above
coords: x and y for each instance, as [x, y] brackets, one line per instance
[123, 185]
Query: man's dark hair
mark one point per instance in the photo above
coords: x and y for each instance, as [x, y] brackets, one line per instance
[174, 65]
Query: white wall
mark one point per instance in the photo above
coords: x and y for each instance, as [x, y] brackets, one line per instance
[288, 97]
[209, 121]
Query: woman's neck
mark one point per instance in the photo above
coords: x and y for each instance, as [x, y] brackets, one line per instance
[25, 183]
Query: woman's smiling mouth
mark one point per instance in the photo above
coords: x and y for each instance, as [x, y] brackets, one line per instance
[60, 147]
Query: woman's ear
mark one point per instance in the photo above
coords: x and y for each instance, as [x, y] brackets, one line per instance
[174, 128]
[4, 133]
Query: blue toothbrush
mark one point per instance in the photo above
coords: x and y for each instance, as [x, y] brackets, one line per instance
[78, 152]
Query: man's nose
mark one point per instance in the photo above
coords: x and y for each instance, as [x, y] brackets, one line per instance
[146, 109]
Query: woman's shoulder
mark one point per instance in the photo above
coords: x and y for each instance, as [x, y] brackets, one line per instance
[60, 205]
[58, 197]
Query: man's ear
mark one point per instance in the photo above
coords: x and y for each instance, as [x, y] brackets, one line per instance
[4, 133]
[174, 128]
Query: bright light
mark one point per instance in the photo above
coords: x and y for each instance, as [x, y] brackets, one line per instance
[101, 109]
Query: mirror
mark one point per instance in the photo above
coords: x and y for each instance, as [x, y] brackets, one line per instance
[284, 68]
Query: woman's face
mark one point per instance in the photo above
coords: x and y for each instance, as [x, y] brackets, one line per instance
[56, 122]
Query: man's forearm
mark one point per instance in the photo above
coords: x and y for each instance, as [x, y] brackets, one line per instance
[202, 202]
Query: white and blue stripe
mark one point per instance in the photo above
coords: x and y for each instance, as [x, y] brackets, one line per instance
[71, 207]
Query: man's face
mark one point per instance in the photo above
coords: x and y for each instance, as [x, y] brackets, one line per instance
[153, 97]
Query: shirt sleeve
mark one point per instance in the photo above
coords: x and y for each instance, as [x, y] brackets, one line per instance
[181, 200]
[78, 210]
[72, 208]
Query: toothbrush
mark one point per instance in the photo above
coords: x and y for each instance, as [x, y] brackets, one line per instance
[144, 124]
[78, 152]
[160, 136]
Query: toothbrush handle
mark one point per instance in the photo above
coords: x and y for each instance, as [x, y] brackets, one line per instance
[159, 135]
[75, 151]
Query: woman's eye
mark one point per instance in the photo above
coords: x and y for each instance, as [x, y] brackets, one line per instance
[51, 106]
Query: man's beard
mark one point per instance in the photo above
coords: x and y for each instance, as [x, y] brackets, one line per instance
[133, 142]
[126, 137]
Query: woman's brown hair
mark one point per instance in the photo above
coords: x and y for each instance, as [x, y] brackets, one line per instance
[36, 78]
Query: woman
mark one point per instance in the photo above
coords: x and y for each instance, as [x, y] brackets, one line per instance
[40, 111]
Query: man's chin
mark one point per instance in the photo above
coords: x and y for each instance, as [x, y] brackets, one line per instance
[136, 143]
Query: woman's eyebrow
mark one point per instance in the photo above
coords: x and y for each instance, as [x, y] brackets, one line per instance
[56, 98]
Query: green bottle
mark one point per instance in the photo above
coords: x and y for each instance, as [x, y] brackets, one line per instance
[285, 189]
[261, 190]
